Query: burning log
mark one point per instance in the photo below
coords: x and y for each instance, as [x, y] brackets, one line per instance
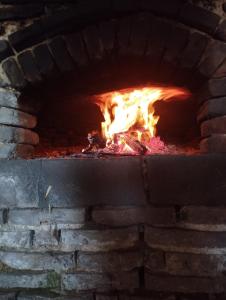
[118, 146]
[133, 143]
[95, 142]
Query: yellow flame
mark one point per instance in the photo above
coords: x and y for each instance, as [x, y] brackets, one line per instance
[133, 111]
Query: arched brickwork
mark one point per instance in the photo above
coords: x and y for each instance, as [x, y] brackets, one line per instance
[131, 228]
[182, 42]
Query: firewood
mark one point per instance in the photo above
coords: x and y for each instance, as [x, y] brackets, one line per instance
[134, 144]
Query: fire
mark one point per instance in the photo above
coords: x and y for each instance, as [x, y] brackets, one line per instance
[131, 113]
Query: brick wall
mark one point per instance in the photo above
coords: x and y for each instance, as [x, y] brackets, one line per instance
[181, 43]
[129, 228]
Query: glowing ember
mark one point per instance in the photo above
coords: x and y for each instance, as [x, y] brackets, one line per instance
[130, 120]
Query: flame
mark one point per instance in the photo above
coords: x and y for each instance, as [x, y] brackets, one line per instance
[132, 112]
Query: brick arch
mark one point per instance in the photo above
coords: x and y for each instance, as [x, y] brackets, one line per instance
[189, 36]
[165, 37]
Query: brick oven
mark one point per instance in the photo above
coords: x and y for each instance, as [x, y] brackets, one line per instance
[104, 225]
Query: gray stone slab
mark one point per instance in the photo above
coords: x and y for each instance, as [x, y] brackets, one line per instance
[45, 240]
[82, 282]
[216, 143]
[14, 151]
[126, 216]
[182, 180]
[31, 281]
[178, 240]
[177, 180]
[188, 285]
[19, 182]
[203, 217]
[213, 126]
[212, 109]
[99, 240]
[187, 264]
[9, 134]
[38, 262]
[9, 116]
[15, 240]
[109, 262]
[82, 182]
[47, 296]
[11, 98]
[37, 217]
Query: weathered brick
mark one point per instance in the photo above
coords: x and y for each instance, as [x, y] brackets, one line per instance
[194, 50]
[19, 183]
[176, 44]
[106, 297]
[107, 31]
[213, 126]
[82, 282]
[10, 116]
[126, 281]
[31, 296]
[9, 134]
[111, 177]
[221, 31]
[11, 99]
[1, 217]
[61, 56]
[61, 21]
[15, 239]
[154, 260]
[5, 50]
[102, 240]
[194, 264]
[36, 217]
[175, 172]
[215, 87]
[13, 72]
[7, 296]
[216, 143]
[17, 12]
[29, 67]
[12, 151]
[212, 58]
[159, 35]
[184, 284]
[109, 262]
[139, 35]
[100, 282]
[31, 281]
[46, 240]
[152, 297]
[27, 36]
[212, 109]
[76, 49]
[88, 7]
[38, 262]
[126, 216]
[199, 297]
[199, 18]
[44, 61]
[186, 240]
[93, 44]
[162, 7]
[219, 297]
[123, 35]
[205, 218]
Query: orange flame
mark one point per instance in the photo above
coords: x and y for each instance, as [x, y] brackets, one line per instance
[132, 110]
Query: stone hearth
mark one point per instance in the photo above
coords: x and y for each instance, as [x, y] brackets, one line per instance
[124, 228]
[112, 228]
